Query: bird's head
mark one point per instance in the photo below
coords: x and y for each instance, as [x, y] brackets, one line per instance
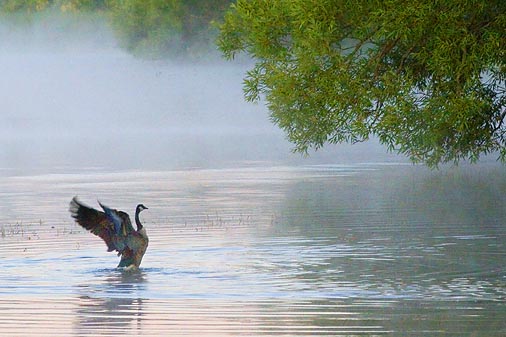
[140, 208]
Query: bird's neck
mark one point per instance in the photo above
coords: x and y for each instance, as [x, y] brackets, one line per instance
[137, 220]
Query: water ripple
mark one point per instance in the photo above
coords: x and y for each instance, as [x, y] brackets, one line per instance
[318, 251]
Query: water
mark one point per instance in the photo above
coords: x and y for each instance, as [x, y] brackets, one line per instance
[295, 250]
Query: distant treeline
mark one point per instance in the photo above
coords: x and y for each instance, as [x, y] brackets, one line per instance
[152, 28]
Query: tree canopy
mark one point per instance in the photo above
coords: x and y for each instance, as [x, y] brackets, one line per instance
[427, 78]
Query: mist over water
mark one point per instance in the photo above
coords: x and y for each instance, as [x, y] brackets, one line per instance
[70, 97]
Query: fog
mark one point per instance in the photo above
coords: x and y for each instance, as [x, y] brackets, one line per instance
[72, 99]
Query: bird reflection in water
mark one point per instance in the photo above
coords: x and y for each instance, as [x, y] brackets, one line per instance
[111, 306]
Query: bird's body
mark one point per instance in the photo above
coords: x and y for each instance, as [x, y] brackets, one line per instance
[115, 228]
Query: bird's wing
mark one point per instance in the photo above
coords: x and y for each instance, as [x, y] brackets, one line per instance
[95, 221]
[121, 220]
[126, 227]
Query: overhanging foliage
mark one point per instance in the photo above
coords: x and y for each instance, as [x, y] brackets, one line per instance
[425, 77]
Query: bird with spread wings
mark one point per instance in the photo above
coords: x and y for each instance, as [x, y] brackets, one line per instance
[115, 228]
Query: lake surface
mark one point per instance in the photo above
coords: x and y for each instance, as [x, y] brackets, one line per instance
[295, 250]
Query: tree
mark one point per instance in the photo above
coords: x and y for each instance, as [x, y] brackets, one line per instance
[427, 78]
[161, 28]
[146, 26]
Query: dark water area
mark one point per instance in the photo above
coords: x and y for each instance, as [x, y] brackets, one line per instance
[330, 250]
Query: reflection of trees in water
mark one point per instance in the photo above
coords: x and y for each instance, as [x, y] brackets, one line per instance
[410, 197]
[110, 307]
[401, 230]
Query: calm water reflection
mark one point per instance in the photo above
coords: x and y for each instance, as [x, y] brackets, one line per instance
[309, 250]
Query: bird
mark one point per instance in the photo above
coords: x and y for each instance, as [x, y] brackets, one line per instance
[115, 228]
